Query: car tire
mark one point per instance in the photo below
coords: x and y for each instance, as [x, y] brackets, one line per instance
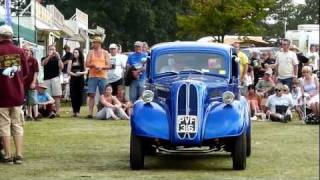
[239, 152]
[136, 152]
[248, 139]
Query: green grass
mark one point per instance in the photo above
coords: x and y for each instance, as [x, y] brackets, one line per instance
[68, 148]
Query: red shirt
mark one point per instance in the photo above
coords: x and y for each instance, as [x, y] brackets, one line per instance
[12, 89]
[33, 68]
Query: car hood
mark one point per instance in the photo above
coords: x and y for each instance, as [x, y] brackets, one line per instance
[205, 80]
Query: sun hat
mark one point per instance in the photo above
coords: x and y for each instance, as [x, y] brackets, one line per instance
[6, 30]
[42, 86]
[97, 39]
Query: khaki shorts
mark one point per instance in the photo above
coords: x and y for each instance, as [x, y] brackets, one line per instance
[54, 86]
[11, 121]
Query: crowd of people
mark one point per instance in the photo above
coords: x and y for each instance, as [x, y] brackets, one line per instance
[277, 84]
[273, 85]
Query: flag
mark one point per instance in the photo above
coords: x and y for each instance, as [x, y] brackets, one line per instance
[8, 18]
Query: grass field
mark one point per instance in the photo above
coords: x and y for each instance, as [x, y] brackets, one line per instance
[68, 148]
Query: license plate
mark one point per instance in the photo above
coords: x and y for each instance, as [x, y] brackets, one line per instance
[187, 126]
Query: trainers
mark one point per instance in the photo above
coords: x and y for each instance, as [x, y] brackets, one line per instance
[254, 118]
[17, 160]
[52, 115]
[29, 118]
[7, 160]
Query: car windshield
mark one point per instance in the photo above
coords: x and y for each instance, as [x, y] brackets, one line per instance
[176, 63]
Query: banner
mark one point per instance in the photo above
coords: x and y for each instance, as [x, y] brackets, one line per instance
[8, 18]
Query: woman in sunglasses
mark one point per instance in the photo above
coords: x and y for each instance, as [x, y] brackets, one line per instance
[278, 105]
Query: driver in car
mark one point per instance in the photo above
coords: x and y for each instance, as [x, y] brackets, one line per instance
[171, 67]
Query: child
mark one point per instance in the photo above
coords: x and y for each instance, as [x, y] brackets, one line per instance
[125, 102]
[111, 106]
[254, 102]
[296, 97]
[46, 103]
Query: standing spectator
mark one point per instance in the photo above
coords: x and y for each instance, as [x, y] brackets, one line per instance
[118, 62]
[46, 103]
[125, 102]
[137, 59]
[111, 106]
[12, 74]
[310, 85]
[30, 84]
[278, 105]
[301, 58]
[98, 61]
[77, 71]
[65, 76]
[145, 48]
[244, 61]
[256, 64]
[313, 57]
[52, 65]
[286, 64]
[66, 58]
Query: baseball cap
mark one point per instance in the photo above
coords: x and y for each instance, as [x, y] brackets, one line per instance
[138, 43]
[42, 86]
[6, 30]
[268, 71]
[113, 46]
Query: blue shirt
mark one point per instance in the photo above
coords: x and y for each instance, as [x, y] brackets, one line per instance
[136, 58]
[43, 97]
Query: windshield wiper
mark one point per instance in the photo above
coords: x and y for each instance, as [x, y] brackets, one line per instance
[191, 70]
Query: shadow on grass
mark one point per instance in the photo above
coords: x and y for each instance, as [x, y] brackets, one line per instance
[164, 162]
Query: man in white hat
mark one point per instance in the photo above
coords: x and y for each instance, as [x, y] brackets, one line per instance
[13, 71]
[118, 64]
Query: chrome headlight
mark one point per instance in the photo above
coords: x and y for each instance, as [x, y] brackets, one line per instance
[147, 96]
[228, 97]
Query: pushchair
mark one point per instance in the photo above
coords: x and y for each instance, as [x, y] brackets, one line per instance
[308, 116]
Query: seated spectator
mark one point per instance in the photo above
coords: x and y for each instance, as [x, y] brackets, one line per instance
[254, 102]
[278, 106]
[248, 79]
[310, 88]
[126, 104]
[111, 106]
[45, 103]
[265, 85]
[296, 97]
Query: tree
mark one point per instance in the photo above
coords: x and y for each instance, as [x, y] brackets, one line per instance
[125, 21]
[221, 17]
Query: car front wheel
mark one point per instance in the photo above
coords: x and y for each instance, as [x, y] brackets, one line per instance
[239, 152]
[136, 152]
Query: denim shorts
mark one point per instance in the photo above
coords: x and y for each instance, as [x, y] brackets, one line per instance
[32, 97]
[94, 82]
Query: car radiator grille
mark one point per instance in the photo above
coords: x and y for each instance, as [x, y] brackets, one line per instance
[187, 100]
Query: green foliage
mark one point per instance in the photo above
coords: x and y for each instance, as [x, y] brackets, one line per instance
[127, 21]
[221, 17]
[285, 10]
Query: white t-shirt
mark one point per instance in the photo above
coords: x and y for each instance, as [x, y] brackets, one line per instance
[120, 61]
[313, 59]
[286, 62]
[296, 95]
[275, 100]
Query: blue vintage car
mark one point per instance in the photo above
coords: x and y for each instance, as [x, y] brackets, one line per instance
[191, 104]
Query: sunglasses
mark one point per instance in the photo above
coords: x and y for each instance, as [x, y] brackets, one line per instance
[278, 90]
[285, 44]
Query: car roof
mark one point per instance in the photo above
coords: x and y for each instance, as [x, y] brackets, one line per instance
[190, 44]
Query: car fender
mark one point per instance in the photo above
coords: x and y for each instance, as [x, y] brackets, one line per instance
[150, 120]
[225, 120]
